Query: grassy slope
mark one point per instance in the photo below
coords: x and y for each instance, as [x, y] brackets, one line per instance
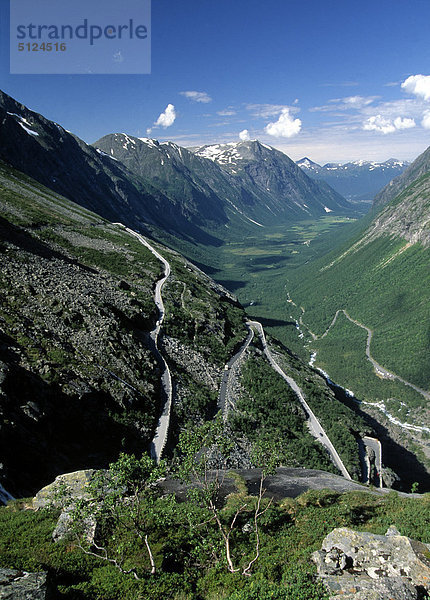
[290, 532]
[389, 298]
[268, 408]
[381, 279]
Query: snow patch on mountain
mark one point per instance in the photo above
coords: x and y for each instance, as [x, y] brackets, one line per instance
[22, 121]
[30, 131]
[149, 142]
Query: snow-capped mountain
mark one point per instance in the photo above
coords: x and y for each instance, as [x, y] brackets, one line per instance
[359, 180]
[280, 183]
[251, 181]
[148, 184]
[308, 165]
[97, 179]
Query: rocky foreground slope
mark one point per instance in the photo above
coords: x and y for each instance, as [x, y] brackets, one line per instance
[78, 380]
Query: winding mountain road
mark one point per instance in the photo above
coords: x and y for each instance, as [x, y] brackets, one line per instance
[161, 432]
[222, 396]
[314, 425]
[379, 369]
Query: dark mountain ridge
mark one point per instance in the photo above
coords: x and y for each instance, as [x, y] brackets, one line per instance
[58, 159]
[162, 187]
[419, 167]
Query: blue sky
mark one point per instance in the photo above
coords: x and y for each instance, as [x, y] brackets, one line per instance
[314, 78]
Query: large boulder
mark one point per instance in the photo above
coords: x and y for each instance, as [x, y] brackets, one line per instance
[74, 484]
[364, 566]
[19, 585]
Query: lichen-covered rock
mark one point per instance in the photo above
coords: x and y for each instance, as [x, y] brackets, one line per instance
[74, 484]
[351, 587]
[19, 585]
[365, 566]
[62, 493]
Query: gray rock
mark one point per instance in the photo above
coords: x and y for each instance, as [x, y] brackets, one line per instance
[365, 566]
[74, 486]
[350, 587]
[75, 483]
[64, 527]
[392, 530]
[19, 585]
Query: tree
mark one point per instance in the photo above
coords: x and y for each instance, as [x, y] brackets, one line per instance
[122, 499]
[206, 446]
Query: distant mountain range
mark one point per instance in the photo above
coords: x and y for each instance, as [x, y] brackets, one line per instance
[248, 180]
[188, 195]
[275, 177]
[358, 181]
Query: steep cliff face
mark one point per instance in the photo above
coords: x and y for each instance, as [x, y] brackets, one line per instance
[408, 216]
[78, 379]
[417, 169]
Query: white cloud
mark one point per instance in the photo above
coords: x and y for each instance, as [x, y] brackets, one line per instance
[405, 123]
[197, 96]
[226, 113]
[347, 103]
[379, 124]
[418, 85]
[285, 126]
[357, 101]
[167, 118]
[244, 135]
[269, 110]
[426, 120]
[383, 125]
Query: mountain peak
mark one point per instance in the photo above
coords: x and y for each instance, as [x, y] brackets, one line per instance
[307, 164]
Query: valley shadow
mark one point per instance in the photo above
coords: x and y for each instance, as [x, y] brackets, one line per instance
[274, 322]
[270, 260]
[206, 268]
[195, 235]
[403, 462]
